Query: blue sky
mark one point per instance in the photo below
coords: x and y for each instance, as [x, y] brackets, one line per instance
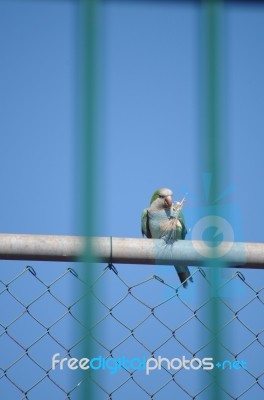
[37, 124]
[148, 117]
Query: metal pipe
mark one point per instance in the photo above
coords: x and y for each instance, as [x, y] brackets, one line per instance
[128, 251]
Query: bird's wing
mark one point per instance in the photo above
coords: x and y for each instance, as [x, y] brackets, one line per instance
[145, 223]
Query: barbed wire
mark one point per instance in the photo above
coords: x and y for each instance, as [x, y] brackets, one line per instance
[131, 322]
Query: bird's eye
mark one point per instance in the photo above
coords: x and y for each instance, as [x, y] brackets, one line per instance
[161, 197]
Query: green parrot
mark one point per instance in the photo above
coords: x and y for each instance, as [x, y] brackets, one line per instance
[165, 220]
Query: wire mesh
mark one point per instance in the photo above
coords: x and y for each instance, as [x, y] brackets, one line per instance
[133, 323]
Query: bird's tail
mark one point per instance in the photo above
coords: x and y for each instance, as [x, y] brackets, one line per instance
[184, 275]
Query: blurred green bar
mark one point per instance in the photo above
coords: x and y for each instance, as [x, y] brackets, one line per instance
[211, 155]
[87, 80]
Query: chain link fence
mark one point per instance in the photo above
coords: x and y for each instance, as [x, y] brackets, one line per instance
[133, 322]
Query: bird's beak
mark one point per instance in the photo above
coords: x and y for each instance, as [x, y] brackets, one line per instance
[168, 201]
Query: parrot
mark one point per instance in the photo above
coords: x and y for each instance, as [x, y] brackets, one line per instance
[164, 219]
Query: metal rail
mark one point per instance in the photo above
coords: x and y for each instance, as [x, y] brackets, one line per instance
[128, 251]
